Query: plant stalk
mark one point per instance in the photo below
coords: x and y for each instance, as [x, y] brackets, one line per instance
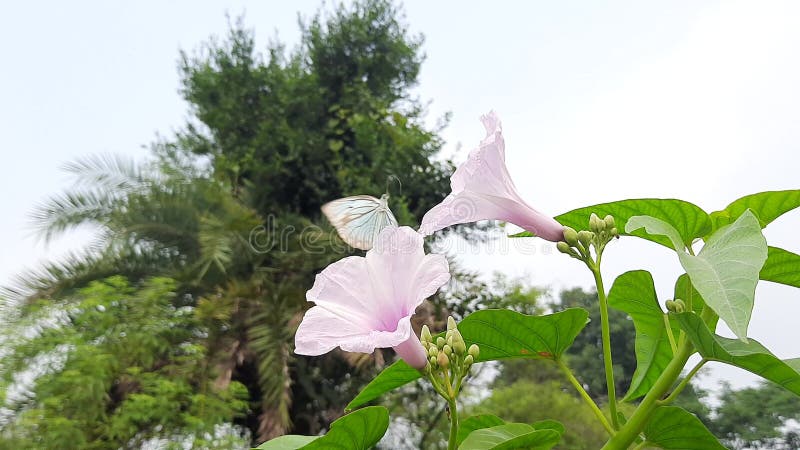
[606, 336]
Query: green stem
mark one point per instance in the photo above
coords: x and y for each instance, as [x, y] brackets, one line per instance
[585, 396]
[451, 443]
[636, 423]
[677, 391]
[669, 334]
[606, 336]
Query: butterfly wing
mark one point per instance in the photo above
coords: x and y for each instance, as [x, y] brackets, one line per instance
[359, 219]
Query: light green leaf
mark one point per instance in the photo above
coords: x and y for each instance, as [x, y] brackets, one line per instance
[654, 226]
[674, 428]
[726, 270]
[359, 430]
[500, 334]
[510, 436]
[472, 423]
[750, 356]
[634, 293]
[688, 219]
[392, 377]
[288, 442]
[549, 424]
[767, 206]
[782, 266]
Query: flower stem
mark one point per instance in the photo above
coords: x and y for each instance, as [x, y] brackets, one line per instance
[606, 336]
[585, 396]
[453, 407]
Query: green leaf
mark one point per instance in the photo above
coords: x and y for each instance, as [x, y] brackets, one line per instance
[634, 293]
[782, 266]
[726, 270]
[472, 423]
[671, 427]
[500, 334]
[685, 291]
[392, 377]
[288, 442]
[359, 430]
[688, 219]
[522, 234]
[549, 424]
[655, 226]
[750, 356]
[767, 206]
[510, 436]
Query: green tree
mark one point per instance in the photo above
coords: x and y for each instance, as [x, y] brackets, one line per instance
[754, 417]
[229, 208]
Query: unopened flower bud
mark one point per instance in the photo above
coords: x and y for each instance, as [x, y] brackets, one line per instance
[450, 337]
[440, 342]
[615, 232]
[609, 222]
[570, 236]
[433, 350]
[474, 351]
[680, 305]
[442, 360]
[563, 247]
[432, 360]
[459, 346]
[425, 335]
[451, 323]
[670, 304]
[447, 350]
[595, 224]
[468, 360]
[585, 237]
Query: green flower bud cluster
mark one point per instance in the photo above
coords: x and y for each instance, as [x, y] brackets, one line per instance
[676, 306]
[578, 244]
[449, 359]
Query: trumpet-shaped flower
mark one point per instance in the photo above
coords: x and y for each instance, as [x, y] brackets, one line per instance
[482, 189]
[364, 303]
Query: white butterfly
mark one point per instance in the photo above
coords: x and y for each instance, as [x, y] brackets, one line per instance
[360, 218]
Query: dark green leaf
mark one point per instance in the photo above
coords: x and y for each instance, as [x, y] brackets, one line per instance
[674, 428]
[767, 206]
[500, 334]
[634, 293]
[688, 219]
[359, 430]
[726, 270]
[288, 442]
[472, 423]
[510, 436]
[392, 377]
[781, 267]
[750, 356]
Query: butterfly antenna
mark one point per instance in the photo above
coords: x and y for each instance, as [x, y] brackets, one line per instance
[399, 184]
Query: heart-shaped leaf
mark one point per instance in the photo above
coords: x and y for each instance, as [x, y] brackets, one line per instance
[500, 334]
[726, 270]
[767, 206]
[674, 428]
[634, 293]
[688, 219]
[510, 436]
[287, 442]
[750, 356]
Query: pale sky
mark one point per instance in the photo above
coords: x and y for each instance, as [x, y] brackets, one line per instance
[695, 100]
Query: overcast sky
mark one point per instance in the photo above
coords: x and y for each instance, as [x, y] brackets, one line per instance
[695, 100]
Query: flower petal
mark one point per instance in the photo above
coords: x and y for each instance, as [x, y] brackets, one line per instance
[321, 331]
[344, 290]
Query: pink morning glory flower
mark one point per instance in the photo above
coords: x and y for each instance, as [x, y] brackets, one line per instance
[482, 189]
[364, 303]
